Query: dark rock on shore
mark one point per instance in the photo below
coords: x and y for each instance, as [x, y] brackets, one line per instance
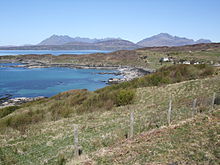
[5, 98]
[17, 101]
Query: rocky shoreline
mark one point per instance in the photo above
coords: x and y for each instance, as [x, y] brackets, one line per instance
[8, 101]
[127, 73]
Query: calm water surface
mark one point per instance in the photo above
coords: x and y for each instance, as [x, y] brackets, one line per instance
[48, 81]
[53, 52]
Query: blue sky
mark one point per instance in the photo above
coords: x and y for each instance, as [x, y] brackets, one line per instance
[30, 21]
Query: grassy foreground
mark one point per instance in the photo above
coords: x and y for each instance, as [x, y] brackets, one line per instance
[193, 141]
[42, 132]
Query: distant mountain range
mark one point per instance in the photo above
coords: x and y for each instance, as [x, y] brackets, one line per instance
[64, 42]
[165, 39]
[64, 39]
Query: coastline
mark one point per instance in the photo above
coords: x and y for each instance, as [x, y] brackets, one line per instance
[128, 73]
[7, 102]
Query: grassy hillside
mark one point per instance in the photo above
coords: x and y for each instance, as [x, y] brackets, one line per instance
[194, 141]
[41, 132]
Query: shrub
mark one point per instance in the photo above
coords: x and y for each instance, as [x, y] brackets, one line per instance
[22, 120]
[7, 110]
[208, 71]
[125, 97]
[102, 101]
[158, 79]
[178, 76]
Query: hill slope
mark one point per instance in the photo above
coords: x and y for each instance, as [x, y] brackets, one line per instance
[193, 141]
[41, 132]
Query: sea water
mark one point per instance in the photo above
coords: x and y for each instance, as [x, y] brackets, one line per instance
[25, 82]
[53, 52]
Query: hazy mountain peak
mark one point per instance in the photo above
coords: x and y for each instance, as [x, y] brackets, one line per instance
[64, 39]
[163, 35]
[56, 40]
[165, 39]
[57, 36]
[203, 41]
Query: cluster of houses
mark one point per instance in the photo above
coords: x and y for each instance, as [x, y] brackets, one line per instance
[174, 61]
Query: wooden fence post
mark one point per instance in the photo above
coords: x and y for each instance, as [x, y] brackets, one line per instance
[153, 100]
[169, 112]
[213, 101]
[132, 124]
[76, 141]
[201, 84]
[194, 107]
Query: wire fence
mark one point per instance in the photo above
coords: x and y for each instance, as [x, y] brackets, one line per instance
[148, 118]
[88, 139]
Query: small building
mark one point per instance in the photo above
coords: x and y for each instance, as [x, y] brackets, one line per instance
[193, 62]
[186, 62]
[165, 59]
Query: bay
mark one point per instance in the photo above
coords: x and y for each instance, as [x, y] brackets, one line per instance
[25, 82]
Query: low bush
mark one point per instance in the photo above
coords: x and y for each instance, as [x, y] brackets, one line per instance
[165, 75]
[101, 101]
[158, 79]
[64, 102]
[124, 97]
[7, 110]
[20, 121]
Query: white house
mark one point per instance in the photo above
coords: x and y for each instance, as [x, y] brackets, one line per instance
[186, 62]
[165, 59]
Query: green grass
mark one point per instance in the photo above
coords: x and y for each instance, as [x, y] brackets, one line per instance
[45, 141]
[193, 142]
